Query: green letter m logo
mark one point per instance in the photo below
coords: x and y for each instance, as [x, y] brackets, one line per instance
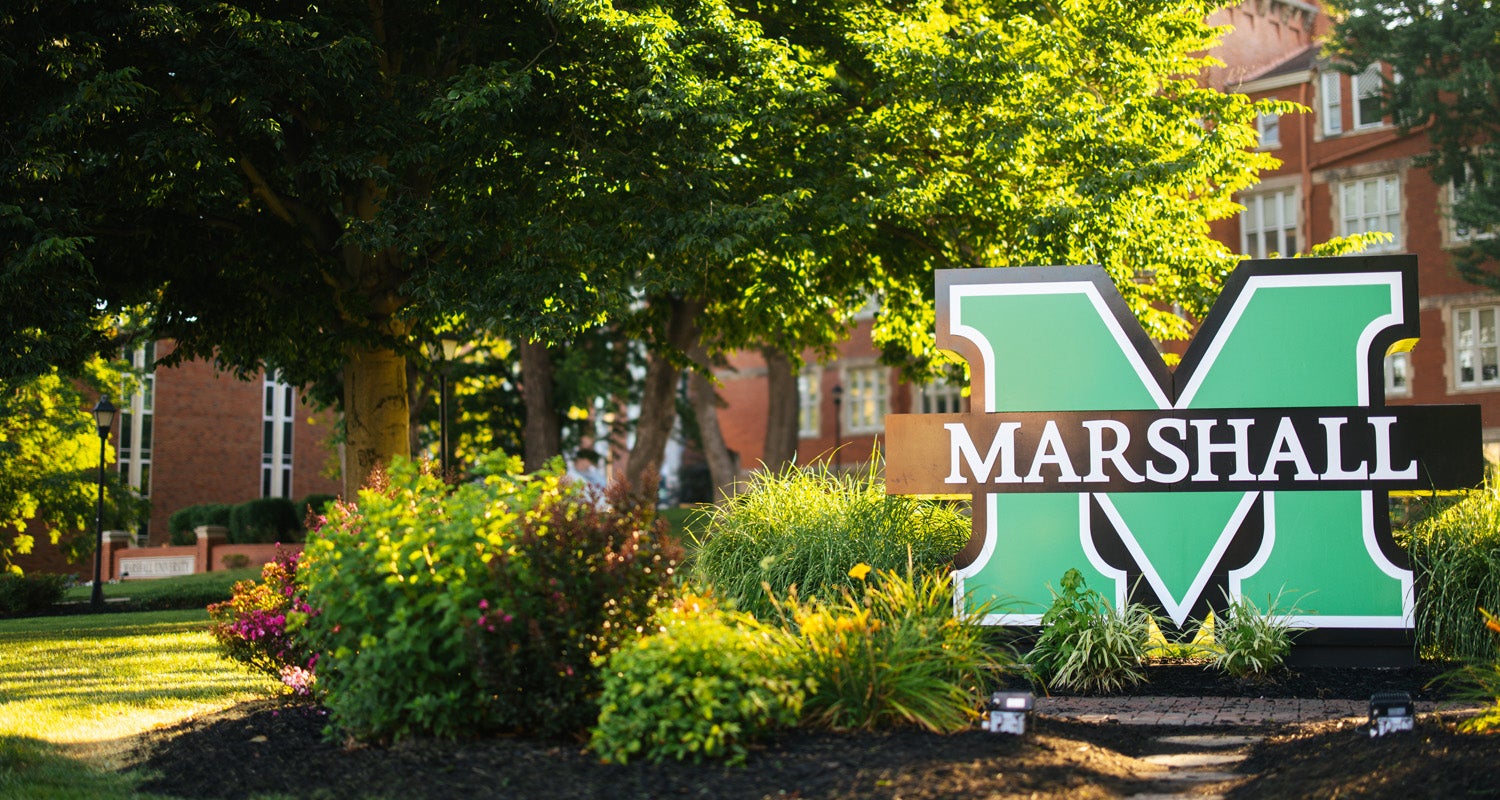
[1260, 466]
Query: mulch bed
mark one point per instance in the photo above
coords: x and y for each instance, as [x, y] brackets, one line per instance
[274, 748]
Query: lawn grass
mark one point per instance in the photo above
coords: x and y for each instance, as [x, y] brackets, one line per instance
[186, 591]
[76, 690]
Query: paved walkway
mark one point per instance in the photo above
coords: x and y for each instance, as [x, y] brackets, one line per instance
[1142, 710]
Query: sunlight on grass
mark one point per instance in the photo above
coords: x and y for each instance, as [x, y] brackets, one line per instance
[97, 679]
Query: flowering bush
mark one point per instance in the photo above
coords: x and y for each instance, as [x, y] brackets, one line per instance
[450, 611]
[258, 625]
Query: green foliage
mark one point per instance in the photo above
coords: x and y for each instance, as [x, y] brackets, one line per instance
[180, 526]
[1088, 645]
[892, 653]
[570, 583]
[1443, 52]
[1456, 556]
[313, 506]
[1252, 643]
[264, 520]
[257, 625]
[703, 685]
[802, 527]
[449, 611]
[1479, 681]
[49, 464]
[183, 521]
[23, 595]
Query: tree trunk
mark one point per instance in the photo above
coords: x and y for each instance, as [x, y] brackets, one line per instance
[543, 433]
[659, 395]
[376, 420]
[705, 402]
[783, 405]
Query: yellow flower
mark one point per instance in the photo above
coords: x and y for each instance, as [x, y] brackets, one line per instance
[859, 571]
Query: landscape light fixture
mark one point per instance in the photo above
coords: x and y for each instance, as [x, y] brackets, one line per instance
[1008, 712]
[104, 419]
[838, 416]
[449, 348]
[1390, 712]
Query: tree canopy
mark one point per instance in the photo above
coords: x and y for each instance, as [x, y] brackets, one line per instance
[1445, 58]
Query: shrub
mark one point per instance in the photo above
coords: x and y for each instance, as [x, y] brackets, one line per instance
[895, 653]
[180, 526]
[433, 597]
[313, 506]
[702, 686]
[1251, 643]
[1456, 556]
[1086, 644]
[257, 625]
[1479, 681]
[263, 521]
[803, 528]
[33, 593]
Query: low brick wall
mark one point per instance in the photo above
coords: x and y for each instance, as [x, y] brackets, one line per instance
[212, 553]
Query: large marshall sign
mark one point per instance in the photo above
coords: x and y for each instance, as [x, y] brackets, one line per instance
[1260, 467]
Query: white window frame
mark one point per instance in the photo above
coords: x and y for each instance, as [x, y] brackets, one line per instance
[1274, 205]
[809, 402]
[1268, 128]
[937, 397]
[278, 421]
[866, 398]
[1398, 374]
[137, 422]
[1471, 350]
[1355, 217]
[1331, 102]
[1367, 85]
[1456, 234]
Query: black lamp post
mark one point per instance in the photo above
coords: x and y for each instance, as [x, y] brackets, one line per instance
[450, 349]
[838, 420]
[104, 418]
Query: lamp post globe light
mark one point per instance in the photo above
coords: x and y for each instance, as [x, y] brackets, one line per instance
[104, 419]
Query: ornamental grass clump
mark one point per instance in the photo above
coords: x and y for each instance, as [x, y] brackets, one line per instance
[705, 684]
[1251, 644]
[1088, 645]
[1479, 681]
[803, 527]
[258, 625]
[892, 652]
[1456, 557]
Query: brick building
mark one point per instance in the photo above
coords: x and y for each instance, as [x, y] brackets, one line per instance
[193, 435]
[1344, 170]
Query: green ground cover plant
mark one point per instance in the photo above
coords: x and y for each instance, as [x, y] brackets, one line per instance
[1086, 644]
[1456, 556]
[24, 595]
[805, 526]
[704, 684]
[106, 678]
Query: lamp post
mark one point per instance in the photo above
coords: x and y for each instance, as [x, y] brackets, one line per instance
[838, 420]
[450, 349]
[104, 419]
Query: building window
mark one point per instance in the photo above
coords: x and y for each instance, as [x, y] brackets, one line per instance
[276, 439]
[1269, 223]
[137, 418]
[1331, 95]
[809, 398]
[1269, 128]
[1459, 233]
[1367, 90]
[939, 397]
[866, 399]
[1372, 204]
[1475, 360]
[1398, 375]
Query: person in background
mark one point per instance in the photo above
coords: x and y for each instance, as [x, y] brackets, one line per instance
[586, 469]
